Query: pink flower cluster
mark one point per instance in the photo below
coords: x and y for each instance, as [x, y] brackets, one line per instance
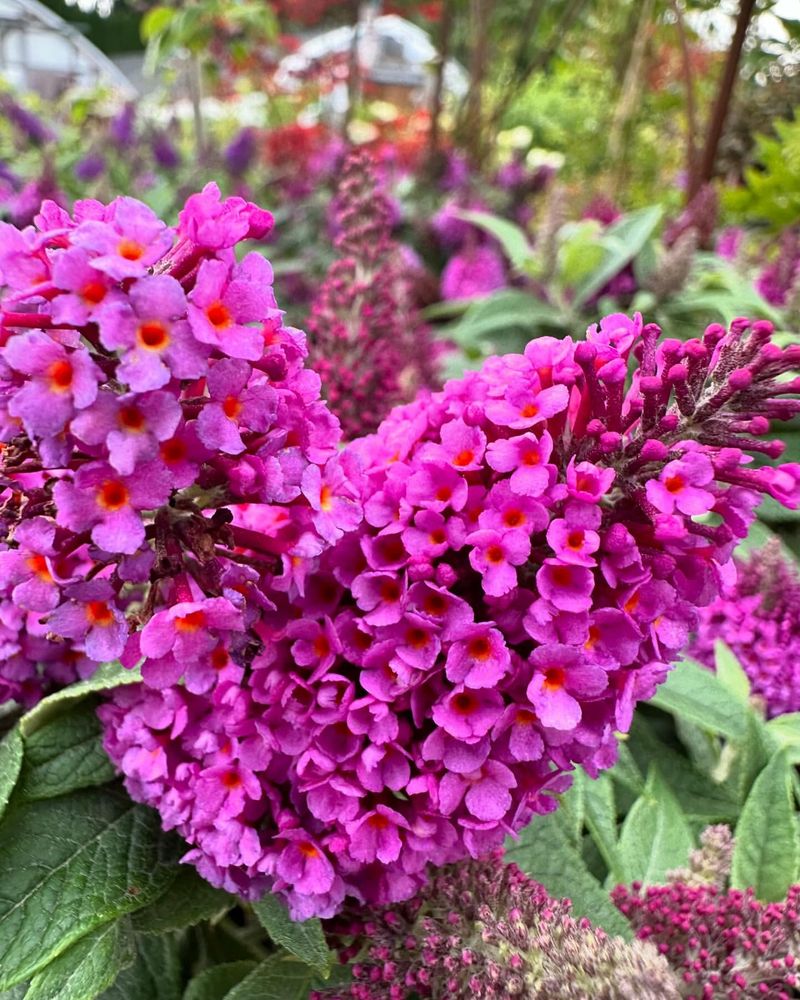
[758, 616]
[537, 539]
[148, 386]
[721, 943]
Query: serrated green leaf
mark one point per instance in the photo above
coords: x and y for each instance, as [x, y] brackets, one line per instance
[189, 900]
[154, 975]
[65, 754]
[545, 852]
[766, 854]
[276, 979]
[87, 967]
[692, 692]
[10, 765]
[511, 238]
[655, 836]
[109, 675]
[215, 983]
[70, 865]
[305, 940]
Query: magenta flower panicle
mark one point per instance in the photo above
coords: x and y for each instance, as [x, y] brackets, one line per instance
[419, 689]
[157, 425]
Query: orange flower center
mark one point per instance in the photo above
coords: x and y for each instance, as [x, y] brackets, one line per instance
[435, 604]
[60, 376]
[513, 518]
[219, 316]
[378, 821]
[93, 292]
[495, 554]
[575, 540]
[173, 451]
[674, 484]
[554, 678]
[130, 249]
[38, 565]
[131, 418]
[417, 638]
[326, 498]
[480, 648]
[192, 622]
[99, 613]
[594, 637]
[152, 335]
[443, 494]
[437, 536]
[529, 410]
[231, 779]
[307, 850]
[112, 495]
[464, 703]
[463, 458]
[231, 407]
[524, 717]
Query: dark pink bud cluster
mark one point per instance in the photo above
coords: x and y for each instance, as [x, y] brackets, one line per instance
[369, 345]
[533, 554]
[758, 616]
[719, 942]
[485, 930]
[148, 390]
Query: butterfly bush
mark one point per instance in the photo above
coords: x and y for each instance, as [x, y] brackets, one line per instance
[537, 539]
[486, 930]
[758, 616]
[719, 942]
[369, 345]
[151, 399]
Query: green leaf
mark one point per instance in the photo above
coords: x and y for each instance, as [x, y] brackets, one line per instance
[544, 850]
[511, 238]
[216, 982]
[621, 242]
[701, 798]
[305, 940]
[692, 692]
[278, 978]
[506, 320]
[189, 901]
[766, 852]
[109, 675]
[655, 836]
[626, 770]
[70, 865]
[154, 975]
[64, 755]
[745, 759]
[730, 673]
[601, 822]
[86, 968]
[10, 764]
[785, 730]
[155, 22]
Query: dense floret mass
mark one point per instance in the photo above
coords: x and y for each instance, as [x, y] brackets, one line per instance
[758, 617]
[719, 942]
[486, 930]
[537, 539]
[149, 390]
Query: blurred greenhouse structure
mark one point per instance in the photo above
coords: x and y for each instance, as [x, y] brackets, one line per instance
[41, 52]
